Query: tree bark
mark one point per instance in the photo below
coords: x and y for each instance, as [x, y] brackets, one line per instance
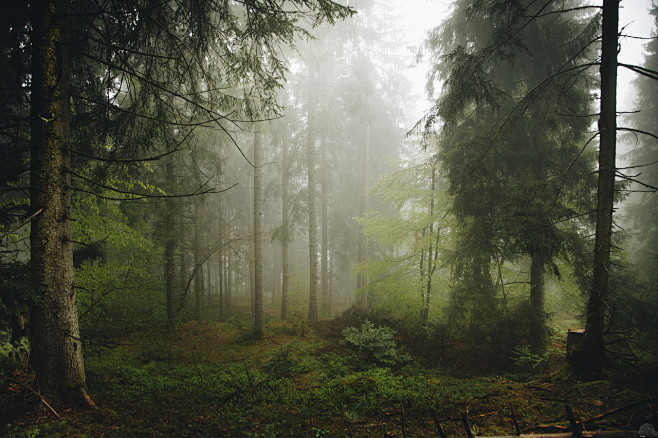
[259, 314]
[590, 360]
[312, 220]
[55, 337]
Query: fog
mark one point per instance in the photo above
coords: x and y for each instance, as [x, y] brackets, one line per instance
[237, 175]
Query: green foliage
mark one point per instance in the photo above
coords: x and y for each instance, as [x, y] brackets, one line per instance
[527, 359]
[375, 345]
[13, 354]
[411, 219]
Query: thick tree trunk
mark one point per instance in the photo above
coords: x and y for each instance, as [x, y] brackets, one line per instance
[312, 221]
[259, 314]
[285, 238]
[55, 337]
[537, 303]
[590, 361]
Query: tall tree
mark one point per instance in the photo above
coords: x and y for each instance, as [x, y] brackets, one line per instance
[259, 313]
[324, 227]
[285, 229]
[169, 249]
[592, 355]
[312, 210]
[519, 174]
[56, 347]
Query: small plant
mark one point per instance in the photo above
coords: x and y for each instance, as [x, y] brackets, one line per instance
[375, 345]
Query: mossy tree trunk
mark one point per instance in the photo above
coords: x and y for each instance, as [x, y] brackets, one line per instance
[56, 348]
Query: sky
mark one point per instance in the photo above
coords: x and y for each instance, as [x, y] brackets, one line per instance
[417, 17]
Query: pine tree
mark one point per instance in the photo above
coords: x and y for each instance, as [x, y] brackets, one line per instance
[517, 88]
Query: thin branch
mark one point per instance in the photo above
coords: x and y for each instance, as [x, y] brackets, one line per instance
[640, 70]
[631, 179]
[22, 223]
[637, 131]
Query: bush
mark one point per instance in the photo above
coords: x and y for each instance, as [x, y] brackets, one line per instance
[373, 345]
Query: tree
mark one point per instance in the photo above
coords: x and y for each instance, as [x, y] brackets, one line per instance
[512, 128]
[56, 347]
[592, 355]
[259, 315]
[413, 227]
[312, 211]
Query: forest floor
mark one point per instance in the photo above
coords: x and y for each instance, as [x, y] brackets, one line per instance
[214, 379]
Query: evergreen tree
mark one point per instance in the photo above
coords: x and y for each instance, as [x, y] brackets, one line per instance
[513, 127]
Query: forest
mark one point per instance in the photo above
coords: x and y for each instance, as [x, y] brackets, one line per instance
[229, 218]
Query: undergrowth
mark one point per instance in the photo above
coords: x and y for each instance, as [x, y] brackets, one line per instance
[288, 385]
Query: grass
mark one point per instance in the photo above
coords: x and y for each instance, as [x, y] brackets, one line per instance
[213, 379]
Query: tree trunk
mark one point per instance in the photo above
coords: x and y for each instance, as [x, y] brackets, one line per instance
[229, 281]
[259, 314]
[55, 337]
[324, 246]
[590, 361]
[208, 284]
[220, 268]
[362, 253]
[537, 327]
[285, 238]
[312, 221]
[431, 256]
[198, 278]
[183, 271]
[169, 250]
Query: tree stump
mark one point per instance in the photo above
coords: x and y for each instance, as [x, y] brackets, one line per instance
[575, 339]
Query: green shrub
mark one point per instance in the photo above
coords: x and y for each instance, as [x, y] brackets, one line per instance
[375, 345]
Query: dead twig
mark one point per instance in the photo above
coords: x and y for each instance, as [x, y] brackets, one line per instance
[467, 426]
[517, 430]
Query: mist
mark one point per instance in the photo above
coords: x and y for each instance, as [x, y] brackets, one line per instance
[326, 218]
